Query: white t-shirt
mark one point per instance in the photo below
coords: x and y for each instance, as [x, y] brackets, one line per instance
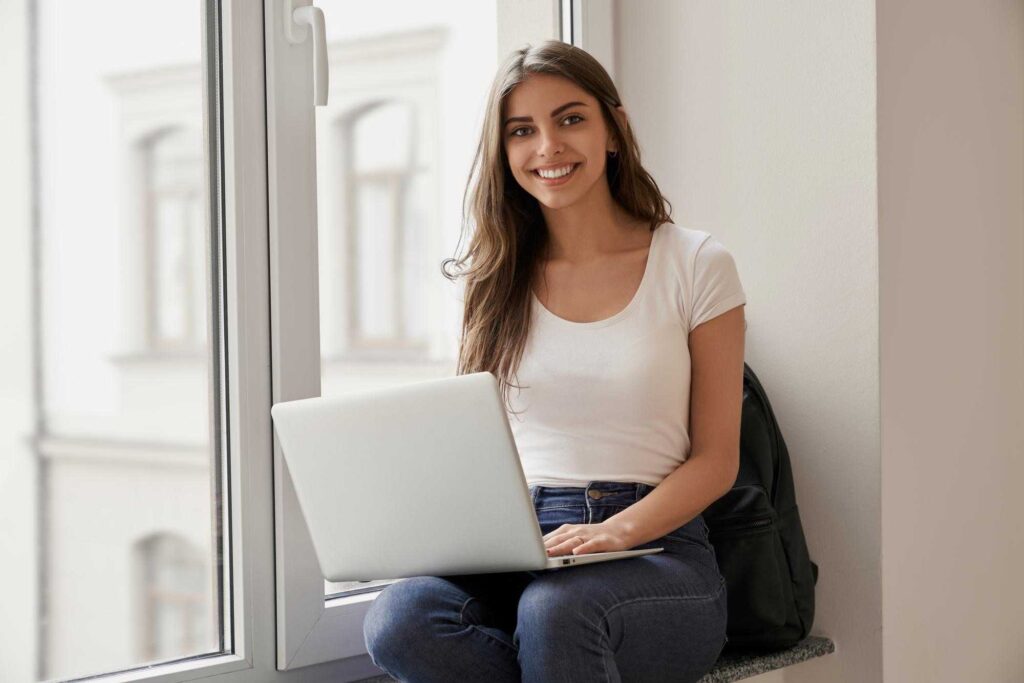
[609, 400]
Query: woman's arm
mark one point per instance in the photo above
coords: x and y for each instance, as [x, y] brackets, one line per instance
[716, 398]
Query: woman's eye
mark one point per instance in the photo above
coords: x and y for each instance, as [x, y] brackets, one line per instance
[515, 133]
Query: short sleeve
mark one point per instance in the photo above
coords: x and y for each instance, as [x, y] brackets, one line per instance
[716, 283]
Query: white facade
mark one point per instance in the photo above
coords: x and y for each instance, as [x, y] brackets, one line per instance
[124, 450]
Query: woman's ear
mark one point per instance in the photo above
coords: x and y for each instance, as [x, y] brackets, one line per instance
[620, 114]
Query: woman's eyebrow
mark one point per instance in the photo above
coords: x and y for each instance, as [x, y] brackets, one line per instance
[554, 113]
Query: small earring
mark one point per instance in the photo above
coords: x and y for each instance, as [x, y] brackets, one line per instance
[612, 153]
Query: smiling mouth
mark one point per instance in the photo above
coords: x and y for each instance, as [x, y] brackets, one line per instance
[559, 179]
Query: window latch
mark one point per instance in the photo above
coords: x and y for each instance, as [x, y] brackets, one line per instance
[298, 20]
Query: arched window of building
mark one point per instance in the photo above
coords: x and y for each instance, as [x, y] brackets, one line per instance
[387, 232]
[174, 593]
[175, 240]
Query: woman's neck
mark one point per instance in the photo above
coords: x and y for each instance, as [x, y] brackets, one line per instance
[591, 229]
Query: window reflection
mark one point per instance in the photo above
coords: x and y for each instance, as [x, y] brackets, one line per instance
[116, 470]
[385, 239]
[173, 597]
[175, 232]
[394, 146]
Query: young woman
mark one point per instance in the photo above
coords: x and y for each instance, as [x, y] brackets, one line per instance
[624, 334]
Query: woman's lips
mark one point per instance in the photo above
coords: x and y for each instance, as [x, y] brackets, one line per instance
[557, 181]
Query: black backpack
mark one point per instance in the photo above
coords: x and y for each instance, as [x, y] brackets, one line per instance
[758, 540]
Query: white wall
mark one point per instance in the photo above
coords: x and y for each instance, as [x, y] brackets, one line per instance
[18, 476]
[758, 122]
[951, 214]
[885, 303]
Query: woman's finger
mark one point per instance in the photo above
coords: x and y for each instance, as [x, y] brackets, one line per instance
[566, 546]
[567, 537]
[591, 545]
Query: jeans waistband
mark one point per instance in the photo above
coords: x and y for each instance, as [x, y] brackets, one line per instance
[625, 493]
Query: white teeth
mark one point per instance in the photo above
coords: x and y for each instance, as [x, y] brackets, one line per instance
[556, 173]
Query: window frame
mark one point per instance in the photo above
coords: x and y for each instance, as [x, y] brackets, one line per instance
[247, 514]
[278, 617]
[311, 628]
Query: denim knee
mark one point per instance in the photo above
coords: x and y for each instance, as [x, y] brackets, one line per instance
[398, 618]
[546, 608]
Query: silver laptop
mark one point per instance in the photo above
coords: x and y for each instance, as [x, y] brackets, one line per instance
[422, 479]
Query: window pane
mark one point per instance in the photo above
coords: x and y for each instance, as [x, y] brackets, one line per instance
[394, 147]
[120, 455]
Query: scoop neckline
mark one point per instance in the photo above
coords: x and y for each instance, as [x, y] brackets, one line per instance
[648, 267]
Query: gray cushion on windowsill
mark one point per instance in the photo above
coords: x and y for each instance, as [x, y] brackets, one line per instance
[734, 667]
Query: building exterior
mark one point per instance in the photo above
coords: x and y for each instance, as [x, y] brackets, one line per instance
[126, 453]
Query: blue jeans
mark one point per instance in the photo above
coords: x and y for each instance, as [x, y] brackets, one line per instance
[658, 617]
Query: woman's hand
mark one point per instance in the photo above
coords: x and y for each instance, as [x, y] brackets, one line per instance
[576, 539]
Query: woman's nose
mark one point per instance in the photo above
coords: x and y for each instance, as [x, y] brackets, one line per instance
[550, 143]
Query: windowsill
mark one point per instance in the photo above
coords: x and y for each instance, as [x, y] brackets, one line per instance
[737, 667]
[734, 667]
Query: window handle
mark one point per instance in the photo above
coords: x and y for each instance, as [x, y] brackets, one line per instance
[297, 22]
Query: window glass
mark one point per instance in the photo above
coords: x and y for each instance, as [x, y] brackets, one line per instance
[113, 451]
[394, 146]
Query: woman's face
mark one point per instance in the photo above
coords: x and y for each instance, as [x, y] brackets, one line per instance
[555, 137]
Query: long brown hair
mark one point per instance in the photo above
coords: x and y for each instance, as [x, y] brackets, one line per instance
[510, 234]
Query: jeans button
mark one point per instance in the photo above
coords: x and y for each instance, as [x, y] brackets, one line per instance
[594, 494]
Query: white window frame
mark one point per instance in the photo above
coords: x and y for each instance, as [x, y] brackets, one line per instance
[311, 628]
[590, 25]
[248, 511]
[247, 389]
[280, 619]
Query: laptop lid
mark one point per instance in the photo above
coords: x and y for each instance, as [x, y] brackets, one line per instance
[419, 479]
